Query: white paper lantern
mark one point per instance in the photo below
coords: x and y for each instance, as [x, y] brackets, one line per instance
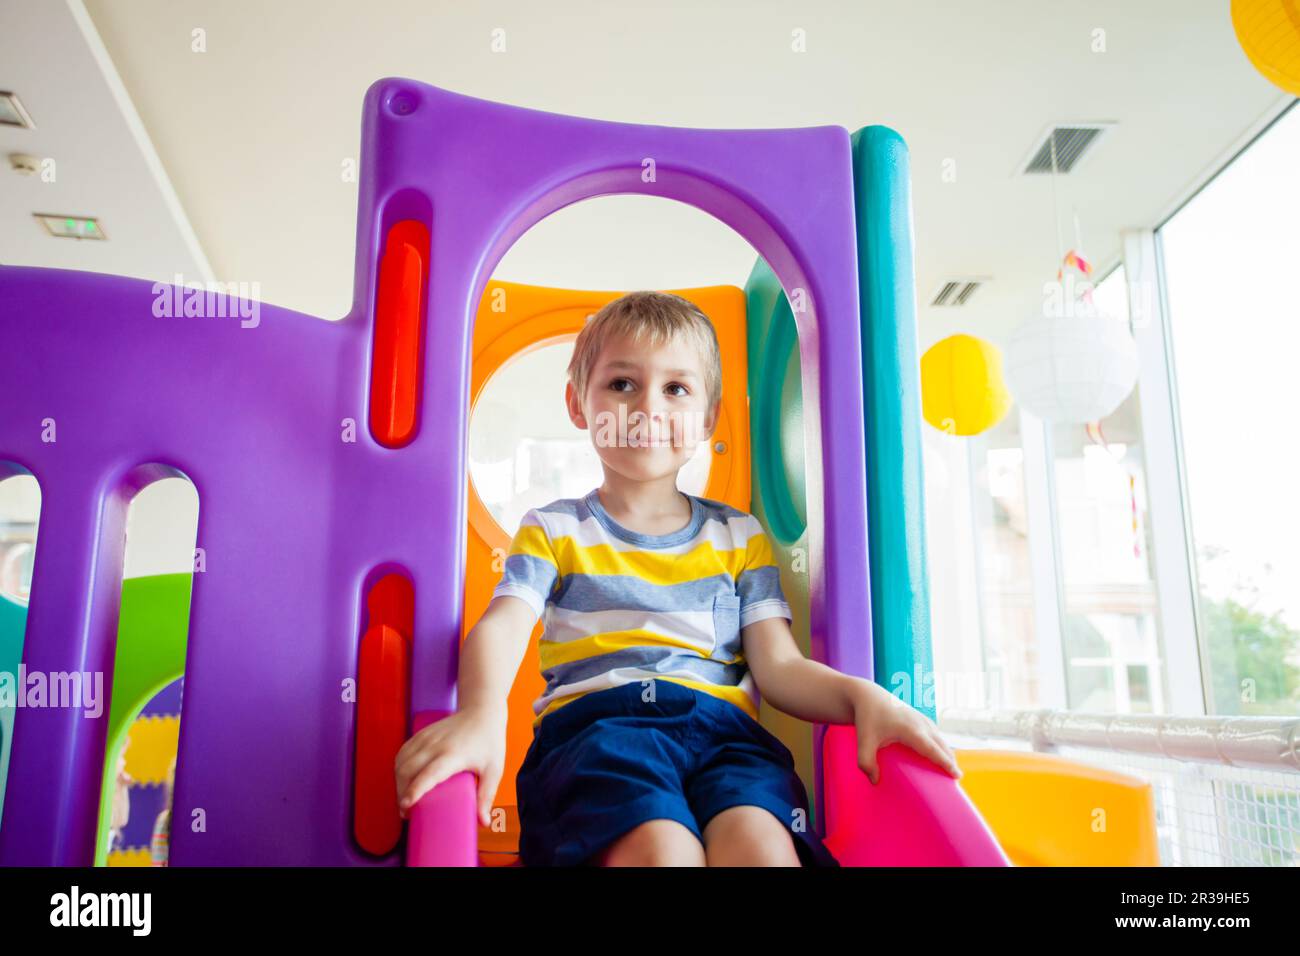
[1075, 368]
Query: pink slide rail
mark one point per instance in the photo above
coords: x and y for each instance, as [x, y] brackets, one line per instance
[917, 815]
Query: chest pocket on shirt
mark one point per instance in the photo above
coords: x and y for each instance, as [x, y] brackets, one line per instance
[726, 626]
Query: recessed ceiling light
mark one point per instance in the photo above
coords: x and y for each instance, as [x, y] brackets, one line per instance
[12, 112]
[71, 227]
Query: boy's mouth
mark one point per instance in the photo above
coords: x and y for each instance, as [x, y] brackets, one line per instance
[649, 438]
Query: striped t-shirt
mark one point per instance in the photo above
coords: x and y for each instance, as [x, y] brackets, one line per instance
[620, 607]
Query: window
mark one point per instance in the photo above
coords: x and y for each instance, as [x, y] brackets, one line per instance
[1005, 587]
[981, 589]
[1109, 618]
[1229, 259]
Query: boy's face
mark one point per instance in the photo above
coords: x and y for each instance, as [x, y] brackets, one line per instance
[647, 409]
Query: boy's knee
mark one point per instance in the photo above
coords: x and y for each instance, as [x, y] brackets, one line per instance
[749, 836]
[655, 843]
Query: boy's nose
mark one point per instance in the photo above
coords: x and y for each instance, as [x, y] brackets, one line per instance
[648, 407]
[655, 419]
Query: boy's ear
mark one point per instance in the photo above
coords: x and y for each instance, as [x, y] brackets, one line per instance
[574, 406]
[711, 422]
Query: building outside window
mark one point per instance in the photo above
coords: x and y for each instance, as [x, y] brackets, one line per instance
[1230, 258]
[1109, 620]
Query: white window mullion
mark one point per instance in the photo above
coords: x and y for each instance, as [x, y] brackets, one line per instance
[1043, 562]
[1171, 551]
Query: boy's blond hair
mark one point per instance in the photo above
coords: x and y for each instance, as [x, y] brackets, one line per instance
[651, 319]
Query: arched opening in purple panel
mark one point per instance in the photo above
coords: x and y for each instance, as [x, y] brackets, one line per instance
[20, 514]
[524, 450]
[713, 202]
[160, 559]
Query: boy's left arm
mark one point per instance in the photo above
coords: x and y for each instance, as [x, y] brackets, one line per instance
[814, 692]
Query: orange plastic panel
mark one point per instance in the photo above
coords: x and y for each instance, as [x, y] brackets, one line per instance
[515, 319]
[395, 363]
[1049, 811]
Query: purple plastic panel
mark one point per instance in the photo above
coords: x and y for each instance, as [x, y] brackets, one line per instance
[295, 521]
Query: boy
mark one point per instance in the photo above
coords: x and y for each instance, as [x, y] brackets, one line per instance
[664, 620]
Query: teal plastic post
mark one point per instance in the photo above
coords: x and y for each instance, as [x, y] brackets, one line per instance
[900, 589]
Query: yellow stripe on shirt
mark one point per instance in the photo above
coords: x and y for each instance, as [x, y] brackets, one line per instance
[652, 567]
[552, 653]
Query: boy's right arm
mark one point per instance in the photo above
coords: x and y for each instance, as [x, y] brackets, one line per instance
[474, 737]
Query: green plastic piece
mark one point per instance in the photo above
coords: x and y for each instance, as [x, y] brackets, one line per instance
[152, 629]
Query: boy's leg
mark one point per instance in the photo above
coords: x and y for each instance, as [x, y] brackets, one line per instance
[747, 835]
[743, 770]
[653, 843]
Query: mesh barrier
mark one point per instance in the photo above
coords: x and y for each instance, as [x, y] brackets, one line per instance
[1218, 800]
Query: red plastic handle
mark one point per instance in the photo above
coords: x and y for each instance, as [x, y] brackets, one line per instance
[395, 364]
[383, 700]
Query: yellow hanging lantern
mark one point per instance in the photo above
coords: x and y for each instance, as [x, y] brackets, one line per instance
[1269, 34]
[962, 389]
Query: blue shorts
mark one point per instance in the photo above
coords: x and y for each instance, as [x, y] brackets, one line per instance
[610, 761]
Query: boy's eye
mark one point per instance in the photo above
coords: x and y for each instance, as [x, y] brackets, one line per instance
[614, 384]
[684, 389]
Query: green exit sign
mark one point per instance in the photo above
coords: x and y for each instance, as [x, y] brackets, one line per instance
[72, 227]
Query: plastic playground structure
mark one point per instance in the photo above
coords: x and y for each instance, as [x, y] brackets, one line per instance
[343, 538]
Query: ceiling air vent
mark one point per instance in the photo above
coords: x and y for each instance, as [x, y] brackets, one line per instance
[12, 112]
[954, 292]
[1073, 142]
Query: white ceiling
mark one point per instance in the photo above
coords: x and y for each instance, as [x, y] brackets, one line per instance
[254, 132]
[103, 165]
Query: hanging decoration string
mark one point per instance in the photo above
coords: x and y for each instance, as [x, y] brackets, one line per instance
[1056, 209]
